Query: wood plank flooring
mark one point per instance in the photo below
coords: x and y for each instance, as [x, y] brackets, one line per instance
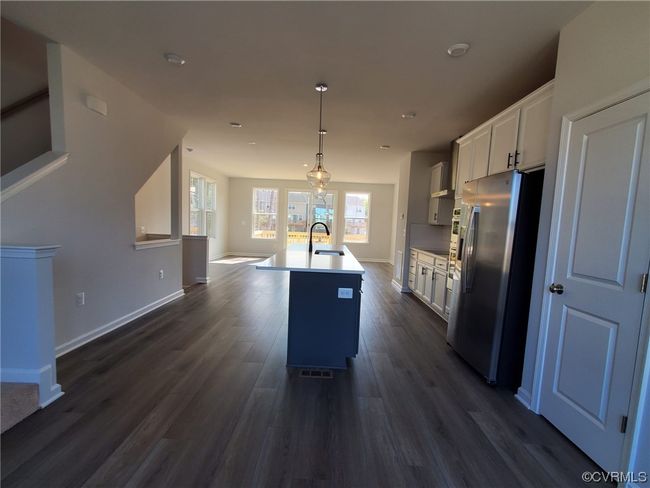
[197, 394]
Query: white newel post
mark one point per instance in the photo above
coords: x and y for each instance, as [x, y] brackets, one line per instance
[27, 319]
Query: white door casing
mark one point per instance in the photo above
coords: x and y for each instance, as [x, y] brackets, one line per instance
[600, 253]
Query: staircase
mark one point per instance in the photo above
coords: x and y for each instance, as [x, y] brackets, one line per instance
[17, 401]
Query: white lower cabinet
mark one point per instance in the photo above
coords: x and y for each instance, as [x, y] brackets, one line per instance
[439, 296]
[419, 279]
[428, 280]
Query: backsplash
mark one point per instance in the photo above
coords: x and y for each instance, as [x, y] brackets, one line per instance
[430, 236]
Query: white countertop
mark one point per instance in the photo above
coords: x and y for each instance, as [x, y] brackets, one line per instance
[438, 253]
[297, 258]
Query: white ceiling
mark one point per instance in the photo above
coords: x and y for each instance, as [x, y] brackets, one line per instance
[257, 62]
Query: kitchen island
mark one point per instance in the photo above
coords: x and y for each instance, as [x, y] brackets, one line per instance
[324, 304]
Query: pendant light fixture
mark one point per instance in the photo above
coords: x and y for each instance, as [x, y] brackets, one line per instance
[319, 177]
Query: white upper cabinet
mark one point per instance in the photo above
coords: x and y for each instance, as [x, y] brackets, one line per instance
[514, 139]
[504, 142]
[533, 130]
[464, 170]
[436, 178]
[473, 158]
[481, 158]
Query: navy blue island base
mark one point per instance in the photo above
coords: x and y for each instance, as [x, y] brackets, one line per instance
[323, 322]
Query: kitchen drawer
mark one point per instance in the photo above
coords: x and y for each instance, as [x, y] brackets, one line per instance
[414, 255]
[426, 258]
[440, 263]
[411, 281]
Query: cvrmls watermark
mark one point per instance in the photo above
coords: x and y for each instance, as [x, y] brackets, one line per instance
[614, 477]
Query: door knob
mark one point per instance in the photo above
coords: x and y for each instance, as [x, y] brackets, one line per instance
[556, 288]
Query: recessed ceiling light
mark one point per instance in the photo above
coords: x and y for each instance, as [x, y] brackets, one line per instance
[252, 143]
[383, 147]
[457, 50]
[306, 165]
[174, 58]
[235, 125]
[409, 115]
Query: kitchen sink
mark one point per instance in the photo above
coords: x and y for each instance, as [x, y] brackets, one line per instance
[332, 252]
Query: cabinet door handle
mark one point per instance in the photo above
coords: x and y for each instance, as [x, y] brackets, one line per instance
[509, 158]
[435, 216]
[516, 162]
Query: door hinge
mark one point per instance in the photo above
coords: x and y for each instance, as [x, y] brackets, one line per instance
[623, 424]
[644, 282]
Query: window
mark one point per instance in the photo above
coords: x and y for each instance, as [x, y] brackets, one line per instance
[203, 206]
[303, 209]
[357, 217]
[265, 213]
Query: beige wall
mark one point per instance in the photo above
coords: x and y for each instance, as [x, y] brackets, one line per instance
[411, 223]
[87, 205]
[153, 203]
[241, 199]
[601, 51]
[25, 134]
[219, 246]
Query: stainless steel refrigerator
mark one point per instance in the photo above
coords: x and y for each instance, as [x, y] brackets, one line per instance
[493, 273]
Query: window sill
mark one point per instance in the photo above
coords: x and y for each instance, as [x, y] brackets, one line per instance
[139, 246]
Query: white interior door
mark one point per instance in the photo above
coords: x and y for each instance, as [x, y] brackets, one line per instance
[602, 251]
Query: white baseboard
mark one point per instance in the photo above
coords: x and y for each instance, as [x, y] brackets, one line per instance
[202, 279]
[373, 260]
[106, 328]
[399, 287]
[56, 394]
[245, 254]
[523, 396]
[48, 391]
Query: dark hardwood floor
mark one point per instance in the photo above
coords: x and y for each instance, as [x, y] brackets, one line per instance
[197, 394]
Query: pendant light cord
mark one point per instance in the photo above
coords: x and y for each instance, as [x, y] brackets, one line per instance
[320, 130]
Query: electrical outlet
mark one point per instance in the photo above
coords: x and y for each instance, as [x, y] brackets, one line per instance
[81, 298]
[161, 275]
[345, 293]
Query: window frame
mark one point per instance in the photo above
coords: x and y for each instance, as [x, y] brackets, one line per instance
[345, 201]
[335, 207]
[253, 213]
[203, 210]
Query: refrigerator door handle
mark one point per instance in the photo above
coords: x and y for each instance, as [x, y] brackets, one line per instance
[467, 272]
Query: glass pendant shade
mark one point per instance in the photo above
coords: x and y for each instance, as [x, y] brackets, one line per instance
[320, 193]
[318, 176]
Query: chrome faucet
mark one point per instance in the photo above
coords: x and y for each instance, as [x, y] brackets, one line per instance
[311, 247]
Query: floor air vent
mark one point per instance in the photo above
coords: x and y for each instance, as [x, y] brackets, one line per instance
[323, 374]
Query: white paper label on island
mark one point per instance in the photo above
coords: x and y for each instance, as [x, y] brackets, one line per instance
[345, 293]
